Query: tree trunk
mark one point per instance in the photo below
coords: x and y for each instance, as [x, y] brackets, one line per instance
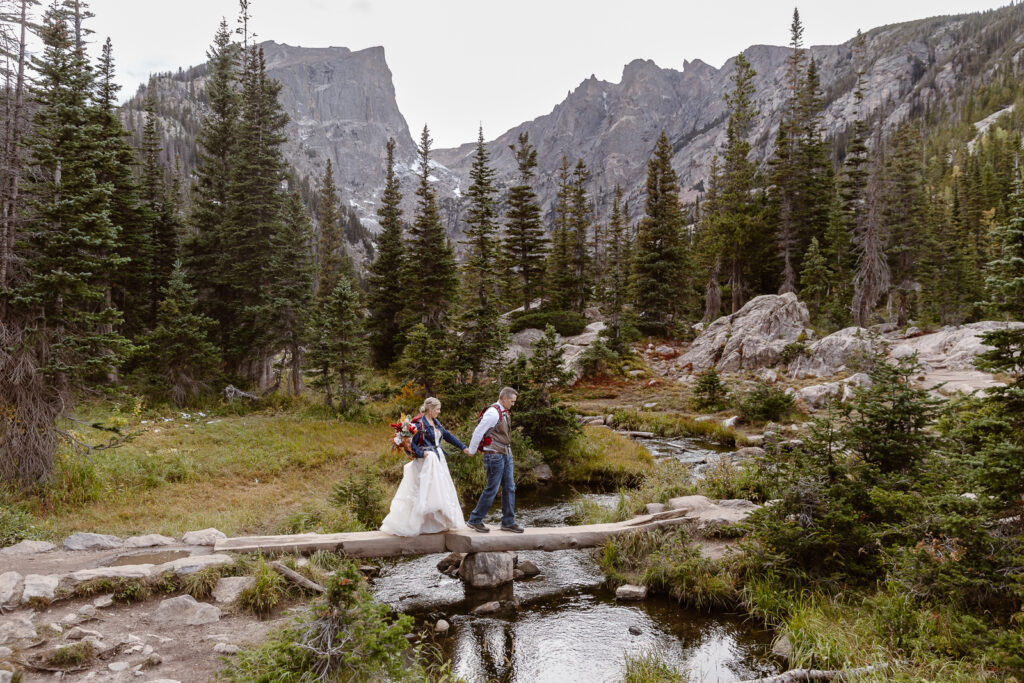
[713, 293]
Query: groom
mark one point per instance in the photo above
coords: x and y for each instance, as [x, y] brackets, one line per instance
[494, 434]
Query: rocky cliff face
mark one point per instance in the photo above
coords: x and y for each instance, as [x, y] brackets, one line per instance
[342, 105]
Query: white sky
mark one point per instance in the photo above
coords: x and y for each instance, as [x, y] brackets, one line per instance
[461, 63]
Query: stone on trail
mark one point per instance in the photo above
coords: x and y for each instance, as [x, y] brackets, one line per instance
[226, 649]
[189, 565]
[118, 666]
[630, 592]
[6, 676]
[184, 610]
[77, 633]
[730, 422]
[39, 586]
[11, 584]
[85, 541]
[487, 570]
[230, 587]
[149, 541]
[104, 601]
[691, 504]
[28, 548]
[204, 537]
[16, 627]
[487, 608]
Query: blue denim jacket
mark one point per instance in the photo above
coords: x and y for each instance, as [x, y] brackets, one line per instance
[424, 438]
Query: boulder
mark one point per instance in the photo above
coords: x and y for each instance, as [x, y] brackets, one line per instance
[103, 601]
[487, 570]
[226, 649]
[149, 541]
[16, 627]
[487, 608]
[87, 541]
[28, 548]
[39, 586]
[630, 592]
[543, 473]
[692, 504]
[654, 508]
[78, 633]
[834, 353]
[752, 337]
[230, 587]
[953, 347]
[450, 562]
[189, 565]
[11, 585]
[441, 627]
[203, 537]
[767, 375]
[184, 610]
[528, 568]
[730, 422]
[817, 396]
[749, 452]
[666, 351]
[128, 571]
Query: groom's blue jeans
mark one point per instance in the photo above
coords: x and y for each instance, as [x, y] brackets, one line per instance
[499, 473]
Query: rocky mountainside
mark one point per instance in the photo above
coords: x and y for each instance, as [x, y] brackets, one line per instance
[343, 107]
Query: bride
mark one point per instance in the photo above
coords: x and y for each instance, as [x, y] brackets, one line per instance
[426, 501]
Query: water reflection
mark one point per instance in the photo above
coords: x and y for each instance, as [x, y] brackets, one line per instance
[568, 626]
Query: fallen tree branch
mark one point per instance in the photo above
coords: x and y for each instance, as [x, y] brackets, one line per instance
[799, 675]
[297, 578]
[233, 392]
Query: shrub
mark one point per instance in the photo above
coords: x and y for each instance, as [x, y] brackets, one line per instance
[765, 403]
[123, 590]
[566, 323]
[346, 637]
[72, 656]
[265, 594]
[792, 351]
[15, 526]
[200, 584]
[709, 392]
[594, 361]
[363, 496]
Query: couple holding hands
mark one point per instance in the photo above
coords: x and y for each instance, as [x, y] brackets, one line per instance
[426, 501]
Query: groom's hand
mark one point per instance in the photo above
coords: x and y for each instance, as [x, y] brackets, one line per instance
[466, 451]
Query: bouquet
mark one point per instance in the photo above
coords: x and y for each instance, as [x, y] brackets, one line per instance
[405, 429]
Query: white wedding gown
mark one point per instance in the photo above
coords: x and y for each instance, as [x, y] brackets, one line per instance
[426, 501]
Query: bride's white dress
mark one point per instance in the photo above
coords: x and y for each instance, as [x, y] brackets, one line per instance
[426, 501]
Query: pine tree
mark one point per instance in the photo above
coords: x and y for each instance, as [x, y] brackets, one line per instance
[216, 143]
[660, 265]
[904, 214]
[59, 316]
[619, 260]
[333, 261]
[525, 243]
[482, 335]
[424, 360]
[814, 278]
[290, 282]
[176, 359]
[431, 280]
[338, 353]
[579, 233]
[871, 277]
[255, 216]
[385, 298]
[559, 266]
[1005, 282]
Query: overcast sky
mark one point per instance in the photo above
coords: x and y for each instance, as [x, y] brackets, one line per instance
[460, 63]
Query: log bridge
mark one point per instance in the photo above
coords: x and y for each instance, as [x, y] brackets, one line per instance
[380, 544]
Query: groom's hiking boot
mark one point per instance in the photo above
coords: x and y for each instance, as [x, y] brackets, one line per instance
[478, 526]
[515, 528]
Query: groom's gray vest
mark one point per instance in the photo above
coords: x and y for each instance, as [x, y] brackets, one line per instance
[500, 434]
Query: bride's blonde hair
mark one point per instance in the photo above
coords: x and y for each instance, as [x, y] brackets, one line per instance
[429, 402]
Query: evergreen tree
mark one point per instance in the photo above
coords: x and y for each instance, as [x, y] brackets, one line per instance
[338, 353]
[129, 288]
[176, 359]
[661, 260]
[255, 216]
[59, 316]
[333, 261]
[579, 232]
[619, 261]
[1005, 281]
[871, 277]
[525, 243]
[814, 278]
[424, 360]
[385, 297]
[559, 266]
[216, 143]
[482, 335]
[735, 218]
[431, 281]
[904, 214]
[290, 282]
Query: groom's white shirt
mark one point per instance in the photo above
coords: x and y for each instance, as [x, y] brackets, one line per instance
[487, 422]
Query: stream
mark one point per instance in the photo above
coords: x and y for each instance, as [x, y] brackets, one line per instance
[569, 626]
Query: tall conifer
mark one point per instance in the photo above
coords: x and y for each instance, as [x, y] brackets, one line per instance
[525, 244]
[385, 296]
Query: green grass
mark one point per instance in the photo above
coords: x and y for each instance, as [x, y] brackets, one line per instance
[671, 424]
[72, 656]
[649, 667]
[659, 483]
[602, 456]
[267, 592]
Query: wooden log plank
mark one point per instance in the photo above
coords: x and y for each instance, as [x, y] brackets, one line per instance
[297, 578]
[549, 538]
[359, 544]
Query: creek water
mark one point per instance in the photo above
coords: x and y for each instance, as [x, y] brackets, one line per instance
[568, 626]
